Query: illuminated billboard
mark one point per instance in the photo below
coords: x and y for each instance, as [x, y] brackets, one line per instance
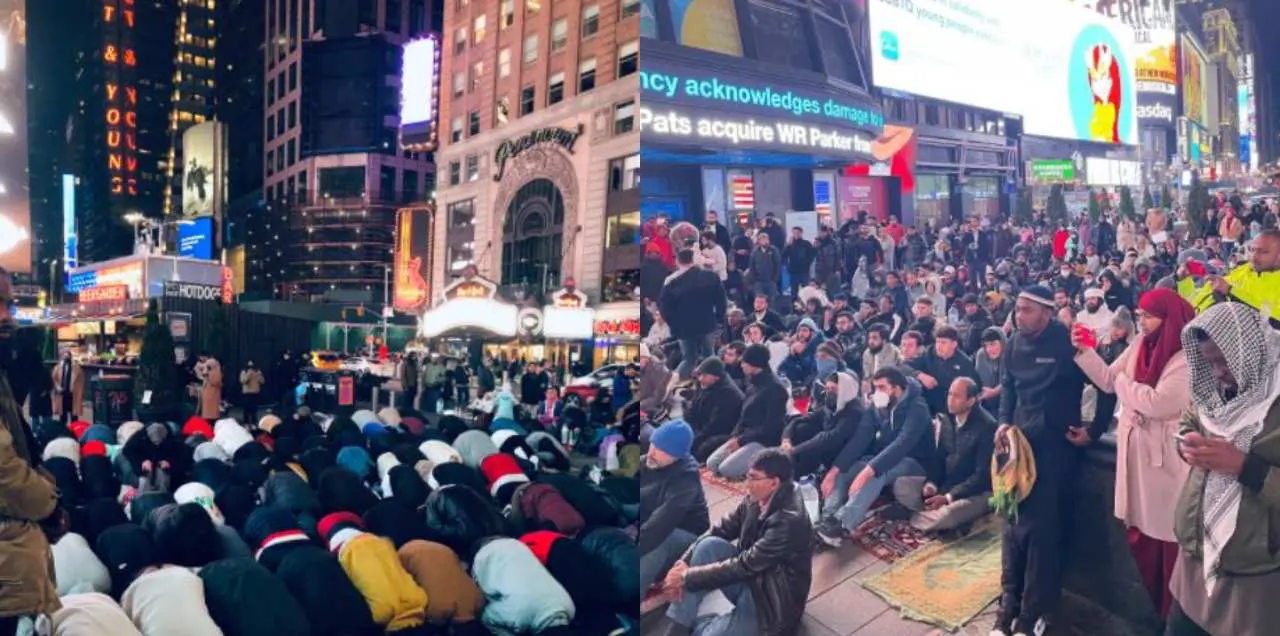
[70, 237]
[195, 238]
[204, 173]
[411, 259]
[1069, 72]
[1192, 72]
[419, 93]
[15, 203]
[120, 62]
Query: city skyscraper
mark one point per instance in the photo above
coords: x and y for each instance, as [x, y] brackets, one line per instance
[194, 82]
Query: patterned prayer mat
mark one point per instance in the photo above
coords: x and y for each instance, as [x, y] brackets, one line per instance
[945, 584]
[736, 487]
[888, 539]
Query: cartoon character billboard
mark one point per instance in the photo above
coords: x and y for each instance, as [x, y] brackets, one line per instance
[1074, 67]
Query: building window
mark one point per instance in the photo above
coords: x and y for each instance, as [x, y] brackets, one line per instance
[479, 29]
[504, 62]
[293, 114]
[531, 48]
[559, 34]
[280, 160]
[526, 100]
[271, 127]
[628, 58]
[473, 122]
[293, 76]
[460, 40]
[624, 117]
[271, 91]
[622, 228]
[555, 89]
[590, 20]
[455, 173]
[477, 70]
[271, 162]
[455, 130]
[279, 125]
[629, 8]
[280, 89]
[473, 168]
[587, 76]
[507, 13]
[624, 173]
[459, 84]
[292, 153]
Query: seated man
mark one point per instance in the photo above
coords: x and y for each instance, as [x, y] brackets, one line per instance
[655, 381]
[959, 482]
[813, 440]
[714, 409]
[766, 575]
[760, 424]
[892, 442]
[673, 508]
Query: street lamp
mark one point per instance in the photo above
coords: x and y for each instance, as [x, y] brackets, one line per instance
[53, 266]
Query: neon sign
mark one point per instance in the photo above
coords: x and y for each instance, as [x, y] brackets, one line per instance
[105, 294]
[751, 132]
[121, 98]
[411, 290]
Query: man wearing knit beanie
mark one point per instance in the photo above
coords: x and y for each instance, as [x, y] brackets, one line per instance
[713, 409]
[760, 423]
[673, 508]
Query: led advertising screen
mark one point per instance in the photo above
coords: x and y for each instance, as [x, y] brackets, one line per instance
[204, 153]
[411, 258]
[1068, 71]
[1155, 47]
[195, 238]
[70, 239]
[15, 203]
[1193, 68]
[419, 93]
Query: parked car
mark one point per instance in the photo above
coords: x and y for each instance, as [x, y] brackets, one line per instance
[581, 389]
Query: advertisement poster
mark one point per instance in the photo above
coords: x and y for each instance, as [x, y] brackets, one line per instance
[15, 203]
[1074, 68]
[861, 194]
[1193, 80]
[412, 242]
[195, 238]
[419, 85]
[346, 390]
[204, 156]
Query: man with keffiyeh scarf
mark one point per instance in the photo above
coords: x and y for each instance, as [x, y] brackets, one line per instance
[1228, 513]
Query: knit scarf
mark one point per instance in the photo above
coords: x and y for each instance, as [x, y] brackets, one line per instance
[1013, 475]
[1252, 350]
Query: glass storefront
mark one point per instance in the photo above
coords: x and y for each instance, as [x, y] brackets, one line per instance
[933, 198]
[981, 197]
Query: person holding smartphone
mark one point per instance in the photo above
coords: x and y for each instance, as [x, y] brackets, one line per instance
[1228, 510]
[1149, 381]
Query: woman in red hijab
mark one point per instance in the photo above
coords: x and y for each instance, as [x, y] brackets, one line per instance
[1152, 389]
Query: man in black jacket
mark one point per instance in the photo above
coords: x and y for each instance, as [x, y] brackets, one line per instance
[715, 408]
[761, 313]
[764, 267]
[956, 489]
[1040, 395]
[693, 305]
[798, 256]
[827, 263]
[940, 365]
[763, 416]
[766, 575]
[852, 339]
[814, 440]
[721, 232]
[673, 508]
[891, 442]
[975, 322]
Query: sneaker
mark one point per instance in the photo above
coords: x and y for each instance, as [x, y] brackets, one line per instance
[1038, 628]
[830, 533]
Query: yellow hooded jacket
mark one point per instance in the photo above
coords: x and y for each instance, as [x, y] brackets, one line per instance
[1252, 288]
[394, 598]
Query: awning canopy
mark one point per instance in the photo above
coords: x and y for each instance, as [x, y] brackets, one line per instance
[467, 315]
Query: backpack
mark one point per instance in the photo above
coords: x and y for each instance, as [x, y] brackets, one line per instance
[538, 506]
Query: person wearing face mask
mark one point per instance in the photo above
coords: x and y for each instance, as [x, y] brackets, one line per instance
[673, 507]
[939, 366]
[1068, 280]
[814, 439]
[891, 442]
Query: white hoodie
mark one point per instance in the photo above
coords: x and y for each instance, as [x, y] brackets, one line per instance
[168, 601]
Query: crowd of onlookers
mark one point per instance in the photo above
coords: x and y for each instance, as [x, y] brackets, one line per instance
[945, 373]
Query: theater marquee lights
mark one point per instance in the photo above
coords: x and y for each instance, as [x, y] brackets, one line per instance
[121, 108]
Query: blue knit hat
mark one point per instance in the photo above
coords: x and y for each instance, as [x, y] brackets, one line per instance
[674, 438]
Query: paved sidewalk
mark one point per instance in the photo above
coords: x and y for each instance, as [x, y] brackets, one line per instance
[838, 606]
